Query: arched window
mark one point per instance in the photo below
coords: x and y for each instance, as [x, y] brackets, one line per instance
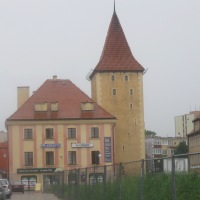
[126, 77]
[114, 92]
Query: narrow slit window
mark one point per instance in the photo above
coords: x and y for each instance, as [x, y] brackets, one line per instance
[131, 91]
[114, 92]
[113, 78]
[126, 77]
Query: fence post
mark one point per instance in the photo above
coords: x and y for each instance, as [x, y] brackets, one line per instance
[104, 181]
[142, 180]
[173, 179]
[120, 181]
[77, 171]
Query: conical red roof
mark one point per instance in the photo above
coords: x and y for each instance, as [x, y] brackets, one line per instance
[116, 55]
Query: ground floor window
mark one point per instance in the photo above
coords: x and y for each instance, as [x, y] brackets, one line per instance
[95, 157]
[29, 182]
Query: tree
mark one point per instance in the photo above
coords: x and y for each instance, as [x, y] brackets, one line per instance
[150, 133]
[182, 148]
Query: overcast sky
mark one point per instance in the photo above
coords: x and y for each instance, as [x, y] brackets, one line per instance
[42, 38]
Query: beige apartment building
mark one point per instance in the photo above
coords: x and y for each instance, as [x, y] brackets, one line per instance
[57, 128]
[160, 147]
[184, 123]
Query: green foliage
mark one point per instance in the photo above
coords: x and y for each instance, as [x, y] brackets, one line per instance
[182, 148]
[150, 133]
[156, 187]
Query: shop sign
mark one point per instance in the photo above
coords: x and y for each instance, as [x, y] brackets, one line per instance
[83, 145]
[107, 149]
[50, 145]
[35, 170]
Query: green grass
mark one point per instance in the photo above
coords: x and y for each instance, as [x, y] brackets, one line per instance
[156, 187]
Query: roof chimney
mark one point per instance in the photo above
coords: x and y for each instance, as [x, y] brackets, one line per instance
[22, 95]
[54, 77]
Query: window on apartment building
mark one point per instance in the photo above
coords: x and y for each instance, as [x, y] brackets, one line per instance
[49, 158]
[95, 157]
[71, 132]
[72, 157]
[28, 133]
[28, 158]
[94, 132]
[49, 133]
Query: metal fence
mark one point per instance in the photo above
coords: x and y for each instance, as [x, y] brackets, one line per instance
[170, 178]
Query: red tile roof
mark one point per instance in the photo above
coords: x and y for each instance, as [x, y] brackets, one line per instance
[69, 98]
[116, 55]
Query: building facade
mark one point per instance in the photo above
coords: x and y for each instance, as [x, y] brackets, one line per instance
[194, 145]
[184, 124]
[4, 160]
[3, 154]
[117, 86]
[159, 147]
[57, 128]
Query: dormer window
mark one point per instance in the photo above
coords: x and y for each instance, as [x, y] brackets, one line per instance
[54, 106]
[41, 106]
[87, 106]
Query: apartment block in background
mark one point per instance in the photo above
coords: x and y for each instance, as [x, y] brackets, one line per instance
[159, 147]
[184, 124]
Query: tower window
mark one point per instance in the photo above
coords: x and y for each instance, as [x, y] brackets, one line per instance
[131, 91]
[112, 77]
[126, 77]
[114, 92]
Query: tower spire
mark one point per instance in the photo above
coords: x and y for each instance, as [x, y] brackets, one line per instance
[114, 6]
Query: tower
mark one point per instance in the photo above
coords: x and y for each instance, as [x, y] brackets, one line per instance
[117, 85]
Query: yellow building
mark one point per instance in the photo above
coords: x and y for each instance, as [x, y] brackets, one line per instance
[117, 85]
[194, 145]
[57, 128]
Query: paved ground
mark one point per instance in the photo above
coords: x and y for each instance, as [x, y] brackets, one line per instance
[32, 196]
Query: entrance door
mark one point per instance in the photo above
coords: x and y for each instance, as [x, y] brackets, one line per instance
[29, 182]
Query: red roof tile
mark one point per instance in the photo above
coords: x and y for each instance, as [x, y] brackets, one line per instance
[116, 55]
[69, 98]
